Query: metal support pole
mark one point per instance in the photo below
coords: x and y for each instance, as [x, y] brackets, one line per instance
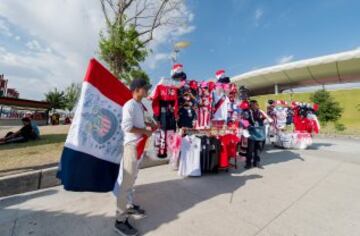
[276, 88]
[174, 56]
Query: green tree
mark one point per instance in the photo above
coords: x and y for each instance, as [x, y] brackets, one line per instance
[122, 50]
[72, 94]
[130, 27]
[329, 109]
[56, 99]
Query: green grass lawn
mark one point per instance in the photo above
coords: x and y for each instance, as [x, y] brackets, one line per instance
[348, 99]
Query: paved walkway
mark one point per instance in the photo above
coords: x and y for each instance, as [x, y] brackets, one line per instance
[311, 192]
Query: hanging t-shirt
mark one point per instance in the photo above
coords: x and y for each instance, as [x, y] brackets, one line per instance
[174, 146]
[205, 153]
[229, 144]
[190, 156]
[215, 149]
[186, 117]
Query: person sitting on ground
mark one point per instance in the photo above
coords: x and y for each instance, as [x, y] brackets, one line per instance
[25, 134]
[36, 130]
[34, 125]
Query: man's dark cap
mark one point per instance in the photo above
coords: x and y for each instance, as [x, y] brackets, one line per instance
[138, 84]
[224, 80]
[181, 76]
[26, 119]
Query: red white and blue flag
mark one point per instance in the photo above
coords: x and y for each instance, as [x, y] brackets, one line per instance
[94, 145]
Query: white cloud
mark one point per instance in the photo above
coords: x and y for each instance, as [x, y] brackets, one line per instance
[258, 15]
[4, 29]
[17, 38]
[33, 45]
[31, 73]
[63, 36]
[156, 58]
[285, 59]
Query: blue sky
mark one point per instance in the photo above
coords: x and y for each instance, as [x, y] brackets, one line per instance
[241, 35]
[47, 44]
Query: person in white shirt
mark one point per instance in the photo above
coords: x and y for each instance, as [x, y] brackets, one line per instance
[134, 127]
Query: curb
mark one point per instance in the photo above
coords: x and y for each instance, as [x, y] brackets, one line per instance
[45, 178]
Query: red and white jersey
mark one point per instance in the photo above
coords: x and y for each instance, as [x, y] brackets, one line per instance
[204, 111]
[220, 107]
[167, 94]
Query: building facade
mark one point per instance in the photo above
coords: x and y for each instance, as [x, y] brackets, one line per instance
[5, 91]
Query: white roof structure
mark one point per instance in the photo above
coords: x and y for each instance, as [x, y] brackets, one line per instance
[331, 69]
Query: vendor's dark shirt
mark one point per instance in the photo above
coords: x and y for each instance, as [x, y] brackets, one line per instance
[27, 132]
[255, 117]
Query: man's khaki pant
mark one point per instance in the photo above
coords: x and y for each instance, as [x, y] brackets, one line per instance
[130, 170]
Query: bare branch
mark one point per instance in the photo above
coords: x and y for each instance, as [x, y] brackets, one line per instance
[105, 12]
[148, 15]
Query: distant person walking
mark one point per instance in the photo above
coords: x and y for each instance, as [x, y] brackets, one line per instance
[257, 135]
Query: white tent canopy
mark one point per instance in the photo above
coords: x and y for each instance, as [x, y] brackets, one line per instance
[331, 69]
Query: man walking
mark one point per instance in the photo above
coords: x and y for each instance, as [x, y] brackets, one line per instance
[134, 127]
[257, 135]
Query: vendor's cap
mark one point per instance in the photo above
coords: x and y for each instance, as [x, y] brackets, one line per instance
[26, 119]
[138, 84]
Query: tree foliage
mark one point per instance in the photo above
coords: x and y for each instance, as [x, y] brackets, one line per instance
[72, 94]
[122, 50]
[131, 25]
[329, 109]
[56, 99]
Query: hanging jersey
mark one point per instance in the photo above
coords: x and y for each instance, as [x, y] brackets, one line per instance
[186, 118]
[280, 115]
[190, 156]
[204, 111]
[229, 143]
[164, 96]
[220, 107]
[215, 148]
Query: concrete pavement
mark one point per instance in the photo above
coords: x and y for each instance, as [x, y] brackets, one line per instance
[309, 192]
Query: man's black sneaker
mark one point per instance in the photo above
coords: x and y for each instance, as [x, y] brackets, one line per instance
[258, 165]
[247, 167]
[136, 210]
[125, 228]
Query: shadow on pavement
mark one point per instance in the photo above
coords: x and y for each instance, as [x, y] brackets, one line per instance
[164, 202]
[316, 146]
[268, 158]
[18, 199]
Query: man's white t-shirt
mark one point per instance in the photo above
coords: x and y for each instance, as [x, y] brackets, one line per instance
[190, 156]
[133, 116]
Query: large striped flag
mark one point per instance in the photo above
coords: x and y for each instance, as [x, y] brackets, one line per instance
[94, 145]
